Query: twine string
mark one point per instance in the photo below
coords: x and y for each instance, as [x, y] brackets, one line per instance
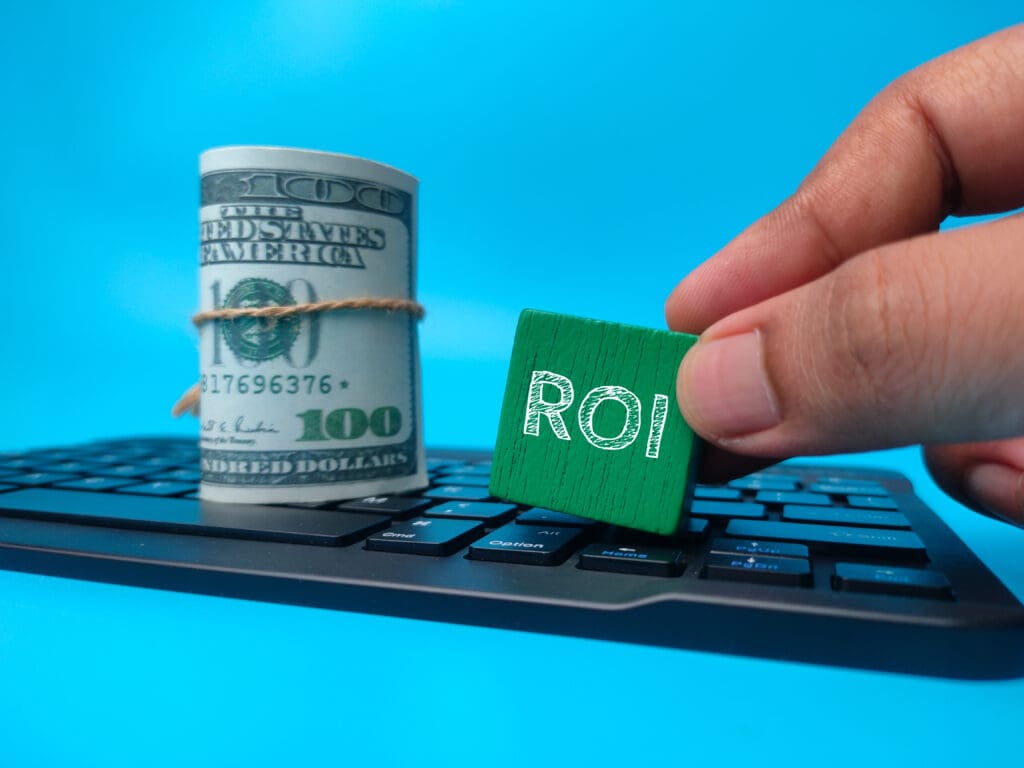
[290, 310]
[189, 401]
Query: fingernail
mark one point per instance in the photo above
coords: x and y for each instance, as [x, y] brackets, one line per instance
[724, 390]
[999, 489]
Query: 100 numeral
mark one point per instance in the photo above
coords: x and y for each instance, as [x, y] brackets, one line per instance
[349, 423]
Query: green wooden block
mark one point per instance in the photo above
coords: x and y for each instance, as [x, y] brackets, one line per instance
[590, 424]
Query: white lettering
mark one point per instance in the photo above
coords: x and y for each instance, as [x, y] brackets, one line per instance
[658, 415]
[552, 409]
[537, 406]
[630, 427]
[521, 544]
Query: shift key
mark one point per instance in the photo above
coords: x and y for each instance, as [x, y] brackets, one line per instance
[866, 542]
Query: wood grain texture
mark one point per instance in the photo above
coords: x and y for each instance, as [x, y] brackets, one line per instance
[576, 433]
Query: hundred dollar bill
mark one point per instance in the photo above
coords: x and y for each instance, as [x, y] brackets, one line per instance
[316, 406]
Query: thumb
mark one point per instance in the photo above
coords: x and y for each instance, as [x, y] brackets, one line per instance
[917, 341]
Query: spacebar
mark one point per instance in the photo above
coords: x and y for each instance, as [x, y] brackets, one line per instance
[236, 521]
[836, 539]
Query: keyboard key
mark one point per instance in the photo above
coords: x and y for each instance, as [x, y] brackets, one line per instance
[397, 507]
[492, 513]
[463, 492]
[765, 483]
[157, 488]
[109, 457]
[718, 494]
[156, 463]
[786, 571]
[638, 559]
[235, 521]
[868, 518]
[859, 485]
[796, 479]
[866, 542]
[41, 457]
[703, 508]
[845, 488]
[478, 480]
[891, 580]
[749, 547]
[435, 464]
[18, 462]
[297, 504]
[138, 445]
[421, 536]
[182, 475]
[798, 497]
[70, 465]
[123, 470]
[697, 528]
[39, 478]
[871, 502]
[478, 469]
[526, 544]
[541, 516]
[187, 453]
[94, 483]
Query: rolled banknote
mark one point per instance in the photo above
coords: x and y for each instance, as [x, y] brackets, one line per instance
[315, 405]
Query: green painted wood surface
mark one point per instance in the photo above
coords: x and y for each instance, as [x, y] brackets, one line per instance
[589, 449]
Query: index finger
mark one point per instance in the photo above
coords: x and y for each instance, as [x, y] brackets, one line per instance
[943, 139]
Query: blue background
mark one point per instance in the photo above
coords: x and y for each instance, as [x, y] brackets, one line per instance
[576, 157]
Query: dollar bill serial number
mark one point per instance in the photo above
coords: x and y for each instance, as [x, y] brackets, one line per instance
[278, 384]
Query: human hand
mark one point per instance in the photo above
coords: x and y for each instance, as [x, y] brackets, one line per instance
[844, 321]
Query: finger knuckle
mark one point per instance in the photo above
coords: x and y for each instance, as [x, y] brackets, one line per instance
[869, 323]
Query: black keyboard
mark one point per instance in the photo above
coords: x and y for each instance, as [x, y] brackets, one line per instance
[813, 564]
